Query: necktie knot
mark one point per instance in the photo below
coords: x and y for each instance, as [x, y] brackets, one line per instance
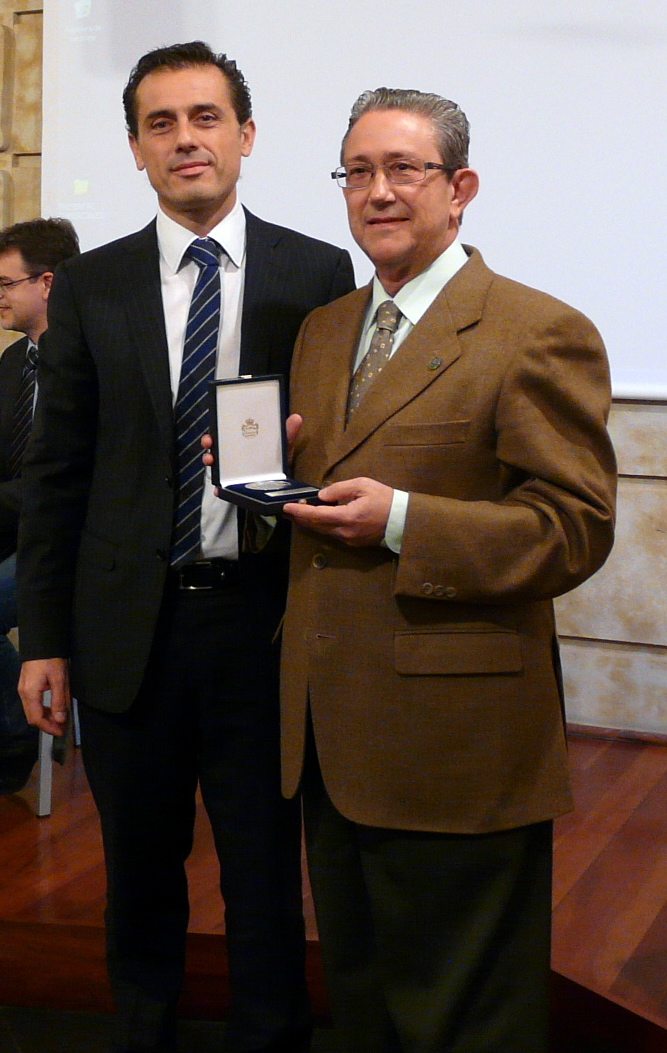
[388, 316]
[205, 252]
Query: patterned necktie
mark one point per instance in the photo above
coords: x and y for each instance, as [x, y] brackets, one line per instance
[378, 354]
[22, 422]
[197, 369]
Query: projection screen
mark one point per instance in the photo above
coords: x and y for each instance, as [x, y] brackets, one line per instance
[566, 102]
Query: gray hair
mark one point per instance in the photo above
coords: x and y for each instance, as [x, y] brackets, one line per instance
[452, 131]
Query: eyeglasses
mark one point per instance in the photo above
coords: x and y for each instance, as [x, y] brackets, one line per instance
[17, 281]
[402, 171]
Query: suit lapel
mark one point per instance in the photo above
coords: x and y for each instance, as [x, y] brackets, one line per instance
[429, 350]
[260, 279]
[145, 314]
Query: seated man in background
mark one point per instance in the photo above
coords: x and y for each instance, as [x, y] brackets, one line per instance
[29, 254]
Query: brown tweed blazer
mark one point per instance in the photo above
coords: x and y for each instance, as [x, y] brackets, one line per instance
[433, 676]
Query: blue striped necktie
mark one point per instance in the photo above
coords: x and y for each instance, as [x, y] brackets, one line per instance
[23, 409]
[197, 369]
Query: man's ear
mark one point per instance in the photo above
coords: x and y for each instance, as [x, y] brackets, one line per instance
[465, 183]
[248, 132]
[134, 147]
[47, 278]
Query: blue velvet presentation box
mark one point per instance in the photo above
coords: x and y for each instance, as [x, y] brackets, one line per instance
[247, 424]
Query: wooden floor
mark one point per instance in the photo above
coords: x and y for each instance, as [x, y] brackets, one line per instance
[610, 880]
[610, 903]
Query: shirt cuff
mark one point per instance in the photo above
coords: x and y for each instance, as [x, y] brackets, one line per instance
[393, 535]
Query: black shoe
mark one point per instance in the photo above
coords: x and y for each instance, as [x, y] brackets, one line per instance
[16, 767]
[296, 1040]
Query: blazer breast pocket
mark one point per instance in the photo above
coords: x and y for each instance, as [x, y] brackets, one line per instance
[444, 433]
[458, 652]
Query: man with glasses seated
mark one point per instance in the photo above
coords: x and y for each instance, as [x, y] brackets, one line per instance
[456, 422]
[29, 254]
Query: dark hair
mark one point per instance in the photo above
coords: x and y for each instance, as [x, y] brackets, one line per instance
[183, 56]
[450, 125]
[43, 243]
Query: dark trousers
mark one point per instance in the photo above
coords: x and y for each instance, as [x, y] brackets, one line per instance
[18, 741]
[432, 943]
[207, 712]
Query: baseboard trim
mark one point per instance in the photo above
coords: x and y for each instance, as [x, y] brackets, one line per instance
[617, 734]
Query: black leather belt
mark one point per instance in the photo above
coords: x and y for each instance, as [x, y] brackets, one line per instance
[206, 574]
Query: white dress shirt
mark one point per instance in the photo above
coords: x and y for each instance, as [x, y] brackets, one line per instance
[219, 531]
[413, 300]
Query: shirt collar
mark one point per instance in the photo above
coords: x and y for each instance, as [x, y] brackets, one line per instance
[417, 295]
[173, 238]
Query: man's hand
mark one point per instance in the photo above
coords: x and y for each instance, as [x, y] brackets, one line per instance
[357, 513]
[38, 676]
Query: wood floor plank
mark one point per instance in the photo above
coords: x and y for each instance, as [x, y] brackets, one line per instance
[602, 920]
[594, 765]
[606, 795]
[584, 750]
[643, 978]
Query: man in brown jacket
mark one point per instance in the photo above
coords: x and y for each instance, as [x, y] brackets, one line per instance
[462, 448]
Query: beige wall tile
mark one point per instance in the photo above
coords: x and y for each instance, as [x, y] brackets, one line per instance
[627, 599]
[615, 685]
[20, 115]
[6, 85]
[27, 124]
[27, 178]
[6, 193]
[639, 433]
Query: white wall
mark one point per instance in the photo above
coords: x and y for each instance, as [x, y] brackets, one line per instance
[566, 101]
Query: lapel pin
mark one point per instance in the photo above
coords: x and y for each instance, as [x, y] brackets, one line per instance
[435, 363]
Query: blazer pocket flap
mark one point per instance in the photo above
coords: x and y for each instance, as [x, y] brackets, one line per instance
[98, 551]
[459, 653]
[427, 434]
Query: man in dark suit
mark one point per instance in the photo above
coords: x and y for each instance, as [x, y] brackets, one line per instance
[134, 576]
[29, 254]
[456, 421]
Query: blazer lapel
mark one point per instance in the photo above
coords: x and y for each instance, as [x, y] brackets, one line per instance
[148, 333]
[329, 388]
[260, 275]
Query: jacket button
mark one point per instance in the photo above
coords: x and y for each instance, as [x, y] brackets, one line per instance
[162, 555]
[427, 588]
[439, 590]
[450, 592]
[169, 480]
[319, 561]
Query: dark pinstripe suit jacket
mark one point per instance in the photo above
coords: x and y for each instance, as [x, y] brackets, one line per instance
[99, 474]
[11, 369]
